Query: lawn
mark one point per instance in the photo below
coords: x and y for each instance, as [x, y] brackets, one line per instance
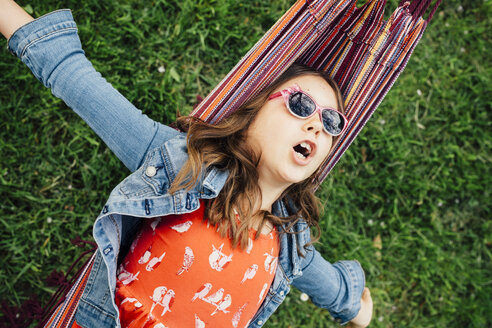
[410, 199]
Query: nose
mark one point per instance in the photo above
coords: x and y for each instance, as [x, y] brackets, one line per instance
[314, 125]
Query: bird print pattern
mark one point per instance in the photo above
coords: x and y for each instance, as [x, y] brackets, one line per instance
[181, 273]
[188, 259]
[237, 316]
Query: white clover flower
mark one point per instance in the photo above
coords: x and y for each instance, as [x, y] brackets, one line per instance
[161, 69]
[382, 224]
[380, 319]
[382, 122]
[462, 49]
[419, 92]
[69, 186]
[370, 222]
[439, 204]
[304, 297]
[49, 219]
[460, 8]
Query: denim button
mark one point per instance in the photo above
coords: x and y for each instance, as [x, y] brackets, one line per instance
[107, 250]
[281, 293]
[150, 171]
[260, 322]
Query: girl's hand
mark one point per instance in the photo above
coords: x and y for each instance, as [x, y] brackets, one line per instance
[364, 316]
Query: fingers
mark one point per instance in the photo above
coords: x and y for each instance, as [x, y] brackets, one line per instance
[366, 294]
[364, 316]
[366, 298]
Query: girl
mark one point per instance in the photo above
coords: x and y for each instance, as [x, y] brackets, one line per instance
[212, 227]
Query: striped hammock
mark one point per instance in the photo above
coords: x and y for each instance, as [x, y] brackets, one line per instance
[360, 50]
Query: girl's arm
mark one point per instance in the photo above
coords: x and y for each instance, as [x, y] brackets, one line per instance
[12, 16]
[337, 287]
[51, 48]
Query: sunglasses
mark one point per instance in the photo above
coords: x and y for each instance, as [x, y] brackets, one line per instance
[303, 106]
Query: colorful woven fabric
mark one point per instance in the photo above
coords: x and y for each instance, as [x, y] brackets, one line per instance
[361, 51]
[63, 316]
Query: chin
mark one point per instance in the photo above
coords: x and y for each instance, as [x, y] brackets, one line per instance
[293, 178]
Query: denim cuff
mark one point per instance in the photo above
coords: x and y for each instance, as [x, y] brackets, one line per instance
[353, 272]
[39, 29]
[355, 279]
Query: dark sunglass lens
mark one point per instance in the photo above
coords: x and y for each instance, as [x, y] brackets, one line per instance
[333, 122]
[300, 104]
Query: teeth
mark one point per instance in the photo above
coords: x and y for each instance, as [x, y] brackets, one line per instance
[307, 146]
[299, 155]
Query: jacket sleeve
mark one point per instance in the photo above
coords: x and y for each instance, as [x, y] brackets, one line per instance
[336, 287]
[51, 48]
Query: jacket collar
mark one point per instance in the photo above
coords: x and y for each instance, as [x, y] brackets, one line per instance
[213, 182]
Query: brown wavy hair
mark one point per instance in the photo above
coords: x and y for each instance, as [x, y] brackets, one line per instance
[224, 146]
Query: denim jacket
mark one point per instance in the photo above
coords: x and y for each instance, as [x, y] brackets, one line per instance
[50, 47]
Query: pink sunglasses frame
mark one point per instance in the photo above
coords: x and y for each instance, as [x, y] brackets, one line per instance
[287, 92]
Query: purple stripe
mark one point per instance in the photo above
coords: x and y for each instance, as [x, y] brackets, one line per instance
[349, 53]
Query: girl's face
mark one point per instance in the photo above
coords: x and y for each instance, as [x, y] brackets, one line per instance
[276, 135]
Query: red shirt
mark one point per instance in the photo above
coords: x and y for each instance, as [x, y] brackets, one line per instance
[180, 272]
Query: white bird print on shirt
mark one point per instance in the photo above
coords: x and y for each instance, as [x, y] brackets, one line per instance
[223, 261]
[188, 259]
[199, 323]
[126, 277]
[262, 293]
[215, 297]
[146, 256]
[223, 305]
[182, 227]
[154, 224]
[273, 265]
[157, 296]
[270, 262]
[237, 316]
[132, 300]
[154, 263]
[250, 246]
[167, 301]
[158, 293]
[135, 242]
[160, 325]
[250, 273]
[217, 259]
[202, 292]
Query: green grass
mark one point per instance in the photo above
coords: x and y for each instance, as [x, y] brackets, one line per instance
[418, 176]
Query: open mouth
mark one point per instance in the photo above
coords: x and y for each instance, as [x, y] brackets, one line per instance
[302, 150]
